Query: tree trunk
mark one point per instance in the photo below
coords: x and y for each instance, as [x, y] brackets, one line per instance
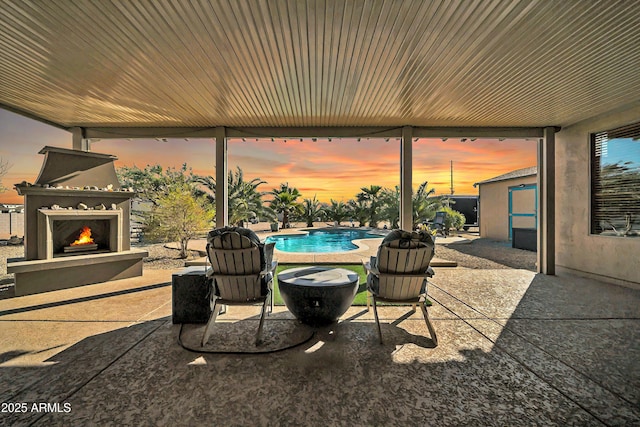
[183, 248]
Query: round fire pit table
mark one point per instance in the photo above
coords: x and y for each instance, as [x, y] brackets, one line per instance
[318, 296]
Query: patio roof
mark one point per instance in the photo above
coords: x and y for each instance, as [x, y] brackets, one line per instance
[316, 64]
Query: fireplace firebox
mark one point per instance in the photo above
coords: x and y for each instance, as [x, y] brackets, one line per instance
[76, 237]
[60, 228]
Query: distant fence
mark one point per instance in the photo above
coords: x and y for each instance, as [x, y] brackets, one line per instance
[11, 224]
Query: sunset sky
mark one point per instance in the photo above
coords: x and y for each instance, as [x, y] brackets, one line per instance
[330, 170]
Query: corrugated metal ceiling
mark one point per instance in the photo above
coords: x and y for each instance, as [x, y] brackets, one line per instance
[178, 63]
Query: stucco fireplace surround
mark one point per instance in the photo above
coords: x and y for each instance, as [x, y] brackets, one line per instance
[75, 190]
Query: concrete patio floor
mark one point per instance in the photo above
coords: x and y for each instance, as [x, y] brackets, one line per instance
[515, 348]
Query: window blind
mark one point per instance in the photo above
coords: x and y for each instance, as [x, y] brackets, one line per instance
[615, 181]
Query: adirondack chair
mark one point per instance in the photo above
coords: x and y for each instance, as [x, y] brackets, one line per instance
[399, 275]
[241, 274]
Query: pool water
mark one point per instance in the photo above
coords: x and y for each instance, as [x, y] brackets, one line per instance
[320, 240]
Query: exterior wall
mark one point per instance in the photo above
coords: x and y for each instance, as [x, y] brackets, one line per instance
[11, 224]
[614, 259]
[494, 206]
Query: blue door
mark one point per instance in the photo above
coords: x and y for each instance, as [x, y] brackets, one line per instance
[523, 207]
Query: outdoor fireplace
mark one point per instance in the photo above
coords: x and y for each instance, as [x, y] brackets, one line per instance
[76, 193]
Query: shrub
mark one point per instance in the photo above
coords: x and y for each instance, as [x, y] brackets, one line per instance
[454, 219]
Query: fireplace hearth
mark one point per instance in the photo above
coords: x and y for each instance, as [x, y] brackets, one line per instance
[75, 189]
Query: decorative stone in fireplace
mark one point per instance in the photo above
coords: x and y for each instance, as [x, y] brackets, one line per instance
[75, 190]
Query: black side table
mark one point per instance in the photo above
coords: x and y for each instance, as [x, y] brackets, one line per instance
[190, 290]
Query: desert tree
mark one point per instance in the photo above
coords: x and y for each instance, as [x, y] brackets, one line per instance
[155, 181]
[153, 184]
[179, 216]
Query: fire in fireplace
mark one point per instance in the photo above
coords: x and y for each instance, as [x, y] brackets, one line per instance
[83, 243]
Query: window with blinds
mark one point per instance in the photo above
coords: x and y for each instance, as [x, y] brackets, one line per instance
[615, 182]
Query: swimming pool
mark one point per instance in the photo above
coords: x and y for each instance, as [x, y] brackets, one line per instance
[338, 240]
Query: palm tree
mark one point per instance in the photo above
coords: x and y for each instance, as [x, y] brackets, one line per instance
[338, 211]
[285, 202]
[360, 211]
[390, 206]
[425, 204]
[371, 195]
[311, 210]
[245, 201]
